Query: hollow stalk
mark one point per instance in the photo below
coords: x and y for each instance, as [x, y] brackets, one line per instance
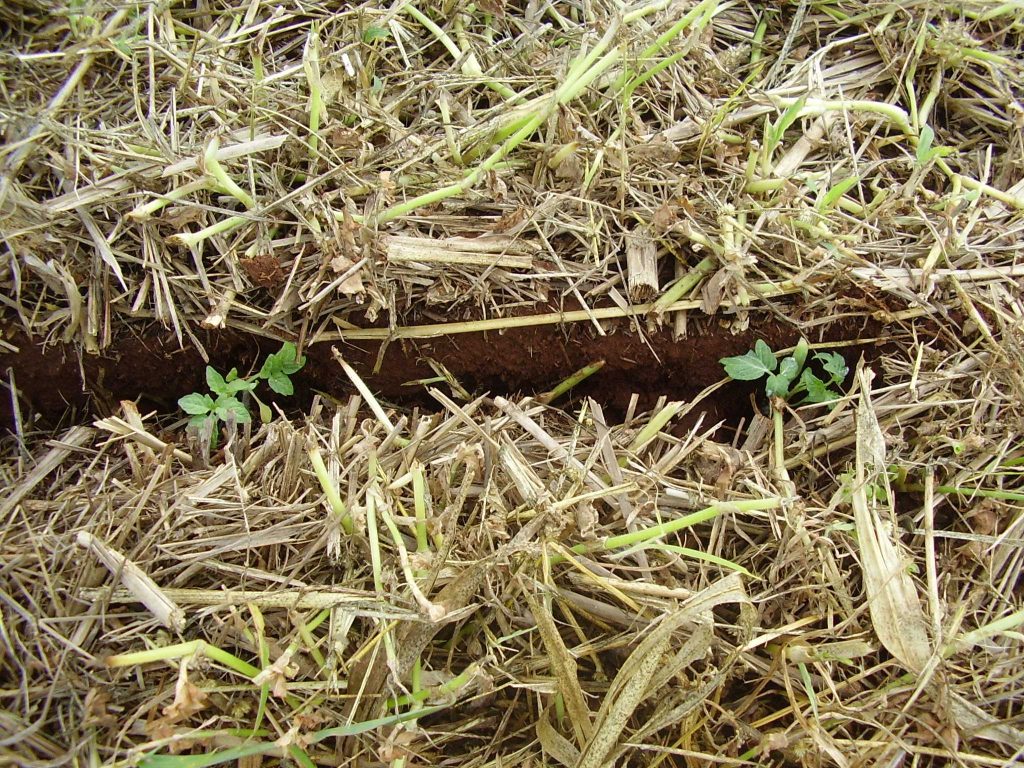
[661, 530]
[333, 498]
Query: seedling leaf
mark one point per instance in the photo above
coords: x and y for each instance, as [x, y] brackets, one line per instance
[280, 383]
[265, 413]
[293, 366]
[215, 381]
[777, 385]
[788, 370]
[746, 367]
[790, 116]
[787, 119]
[924, 145]
[752, 365]
[834, 365]
[206, 411]
[800, 353]
[279, 366]
[282, 361]
[817, 390]
[230, 405]
[241, 385]
[196, 404]
[765, 354]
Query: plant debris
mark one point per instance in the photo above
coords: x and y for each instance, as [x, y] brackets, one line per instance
[573, 542]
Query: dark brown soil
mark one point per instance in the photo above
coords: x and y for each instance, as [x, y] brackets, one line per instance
[59, 382]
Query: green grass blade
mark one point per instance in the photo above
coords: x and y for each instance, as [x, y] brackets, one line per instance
[835, 193]
[234, 754]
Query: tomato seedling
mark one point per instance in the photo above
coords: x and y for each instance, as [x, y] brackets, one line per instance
[789, 380]
[782, 376]
[222, 403]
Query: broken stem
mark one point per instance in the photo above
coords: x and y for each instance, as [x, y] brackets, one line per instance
[333, 498]
[664, 529]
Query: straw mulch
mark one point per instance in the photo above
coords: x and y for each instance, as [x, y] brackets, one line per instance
[499, 581]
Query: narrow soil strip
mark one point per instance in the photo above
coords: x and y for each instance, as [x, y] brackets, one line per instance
[56, 379]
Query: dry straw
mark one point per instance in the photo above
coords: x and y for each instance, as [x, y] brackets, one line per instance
[498, 580]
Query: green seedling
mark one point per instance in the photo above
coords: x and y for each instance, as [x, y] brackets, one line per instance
[926, 152]
[279, 366]
[789, 380]
[831, 198]
[773, 132]
[374, 32]
[222, 403]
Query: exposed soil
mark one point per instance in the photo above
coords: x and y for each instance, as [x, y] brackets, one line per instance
[59, 383]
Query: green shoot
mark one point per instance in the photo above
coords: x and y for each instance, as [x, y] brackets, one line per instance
[684, 285]
[926, 152]
[147, 210]
[787, 380]
[213, 173]
[226, 184]
[696, 554]
[183, 651]
[279, 366]
[263, 647]
[373, 536]
[237, 754]
[832, 197]
[815, 107]
[419, 694]
[193, 239]
[924, 145]
[654, 426]
[222, 404]
[773, 132]
[789, 377]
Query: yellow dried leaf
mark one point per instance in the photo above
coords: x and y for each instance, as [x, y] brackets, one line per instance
[564, 667]
[895, 607]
